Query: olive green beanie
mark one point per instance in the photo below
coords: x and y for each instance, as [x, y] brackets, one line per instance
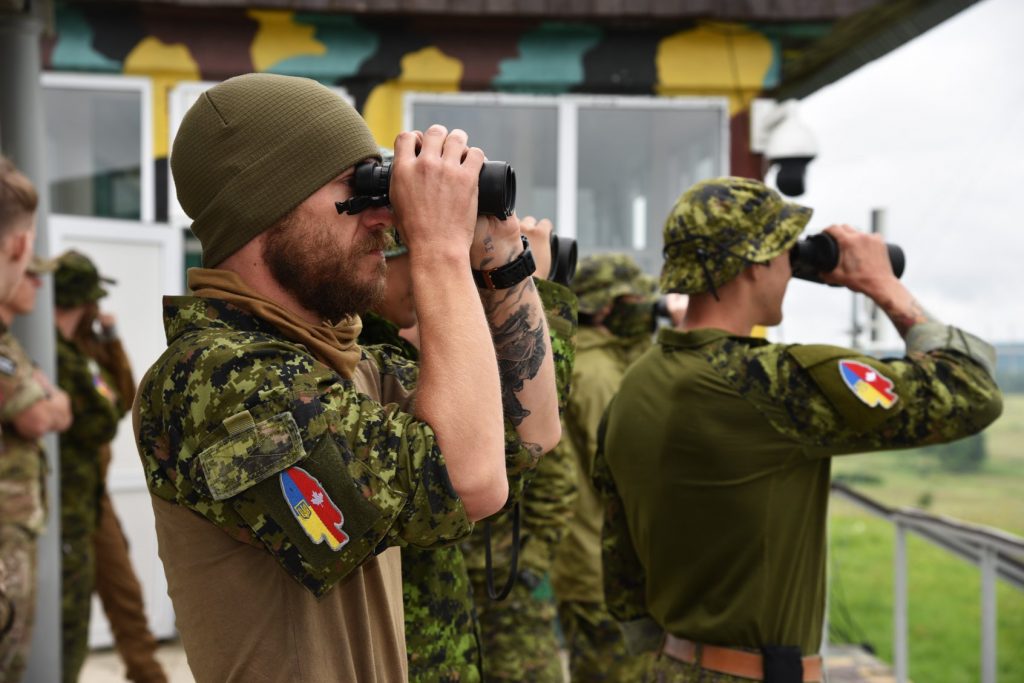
[253, 148]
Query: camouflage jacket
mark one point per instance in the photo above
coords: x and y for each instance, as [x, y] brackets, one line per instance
[96, 411]
[441, 630]
[726, 441]
[22, 464]
[249, 430]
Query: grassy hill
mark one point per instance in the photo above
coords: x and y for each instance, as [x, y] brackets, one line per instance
[945, 593]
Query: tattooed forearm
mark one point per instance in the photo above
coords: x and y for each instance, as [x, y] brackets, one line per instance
[521, 350]
[906, 317]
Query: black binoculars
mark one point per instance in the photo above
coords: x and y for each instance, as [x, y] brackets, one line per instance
[372, 181]
[817, 254]
[563, 260]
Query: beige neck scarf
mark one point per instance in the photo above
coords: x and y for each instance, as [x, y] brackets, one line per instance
[333, 345]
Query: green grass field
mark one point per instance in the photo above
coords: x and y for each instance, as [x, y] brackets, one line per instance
[945, 591]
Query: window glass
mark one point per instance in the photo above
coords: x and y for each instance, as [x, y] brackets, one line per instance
[633, 165]
[94, 152]
[523, 135]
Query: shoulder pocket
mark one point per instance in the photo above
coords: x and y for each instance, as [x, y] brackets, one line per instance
[252, 452]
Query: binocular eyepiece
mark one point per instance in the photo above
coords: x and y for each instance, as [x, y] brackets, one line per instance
[817, 254]
[372, 182]
[563, 260]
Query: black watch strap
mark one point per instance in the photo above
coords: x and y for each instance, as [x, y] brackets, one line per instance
[510, 274]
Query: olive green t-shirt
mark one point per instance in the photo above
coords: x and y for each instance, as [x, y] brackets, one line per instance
[716, 470]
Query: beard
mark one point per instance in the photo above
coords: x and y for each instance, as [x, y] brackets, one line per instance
[307, 261]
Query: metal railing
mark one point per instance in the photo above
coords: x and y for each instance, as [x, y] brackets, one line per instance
[996, 553]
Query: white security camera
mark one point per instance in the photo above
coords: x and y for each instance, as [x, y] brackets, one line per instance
[777, 132]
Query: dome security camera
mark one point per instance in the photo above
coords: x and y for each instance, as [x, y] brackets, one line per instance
[785, 141]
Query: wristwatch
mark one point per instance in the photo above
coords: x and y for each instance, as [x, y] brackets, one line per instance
[510, 274]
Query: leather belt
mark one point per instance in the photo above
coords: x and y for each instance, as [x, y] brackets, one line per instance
[729, 661]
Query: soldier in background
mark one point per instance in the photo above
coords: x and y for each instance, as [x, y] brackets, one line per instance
[519, 636]
[18, 200]
[115, 581]
[30, 406]
[97, 408]
[716, 463]
[441, 628]
[616, 323]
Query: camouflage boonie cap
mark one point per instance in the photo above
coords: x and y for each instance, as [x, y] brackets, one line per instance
[77, 282]
[603, 277]
[718, 227]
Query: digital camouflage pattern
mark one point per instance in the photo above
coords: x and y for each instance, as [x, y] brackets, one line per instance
[718, 227]
[441, 630]
[441, 633]
[601, 278]
[519, 639]
[593, 638]
[22, 505]
[381, 467]
[664, 669]
[597, 653]
[96, 412]
[780, 412]
[518, 633]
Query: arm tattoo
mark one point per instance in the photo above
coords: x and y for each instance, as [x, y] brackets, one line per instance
[904, 320]
[520, 349]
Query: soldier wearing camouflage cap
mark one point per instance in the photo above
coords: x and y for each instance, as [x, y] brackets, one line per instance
[616, 324]
[716, 458]
[286, 463]
[30, 407]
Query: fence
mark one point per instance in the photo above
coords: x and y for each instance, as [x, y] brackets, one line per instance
[997, 553]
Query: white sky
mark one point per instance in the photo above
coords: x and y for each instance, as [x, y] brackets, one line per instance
[934, 134]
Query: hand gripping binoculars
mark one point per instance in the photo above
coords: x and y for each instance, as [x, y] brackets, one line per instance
[372, 181]
[817, 254]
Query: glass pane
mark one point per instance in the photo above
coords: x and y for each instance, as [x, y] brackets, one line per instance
[523, 135]
[94, 152]
[633, 165]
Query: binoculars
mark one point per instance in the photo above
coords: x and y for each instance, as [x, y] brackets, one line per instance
[563, 260]
[372, 181]
[817, 254]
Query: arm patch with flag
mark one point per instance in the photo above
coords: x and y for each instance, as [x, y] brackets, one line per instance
[315, 512]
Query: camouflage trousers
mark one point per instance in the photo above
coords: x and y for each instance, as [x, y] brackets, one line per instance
[78, 573]
[664, 669]
[441, 633]
[18, 555]
[597, 652]
[121, 596]
[518, 634]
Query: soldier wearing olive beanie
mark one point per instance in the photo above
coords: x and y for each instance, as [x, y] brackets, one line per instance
[253, 148]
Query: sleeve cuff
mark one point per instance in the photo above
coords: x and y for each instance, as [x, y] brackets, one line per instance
[925, 337]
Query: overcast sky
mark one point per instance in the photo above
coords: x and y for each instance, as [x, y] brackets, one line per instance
[934, 134]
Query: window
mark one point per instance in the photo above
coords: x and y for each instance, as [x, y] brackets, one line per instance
[606, 169]
[99, 142]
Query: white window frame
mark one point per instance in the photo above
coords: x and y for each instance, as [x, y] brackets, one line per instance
[568, 107]
[141, 85]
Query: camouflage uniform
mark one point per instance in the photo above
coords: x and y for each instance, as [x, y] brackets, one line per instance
[442, 633]
[737, 462]
[96, 413]
[519, 640]
[592, 637]
[22, 508]
[96, 416]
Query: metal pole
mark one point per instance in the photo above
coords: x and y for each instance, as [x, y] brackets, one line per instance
[22, 139]
[878, 228]
[989, 565]
[899, 603]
